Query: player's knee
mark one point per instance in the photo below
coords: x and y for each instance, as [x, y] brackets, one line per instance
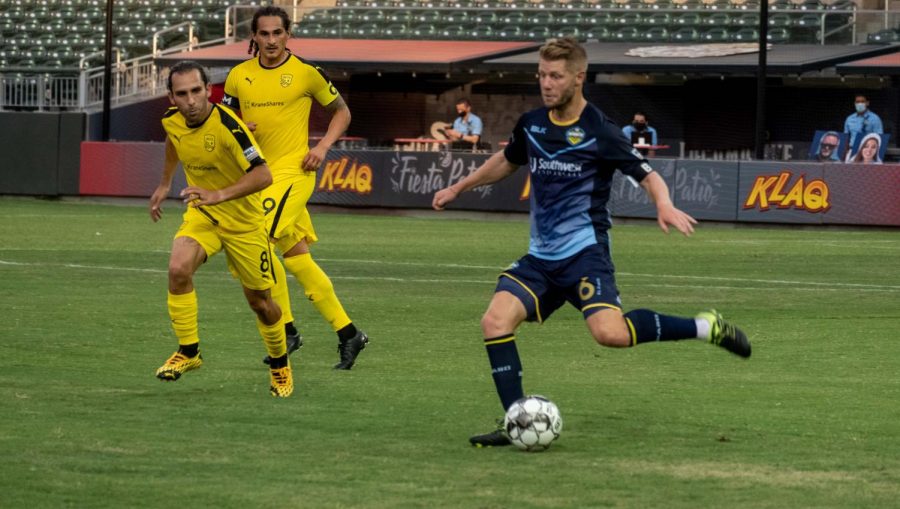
[611, 335]
[180, 275]
[494, 324]
[266, 309]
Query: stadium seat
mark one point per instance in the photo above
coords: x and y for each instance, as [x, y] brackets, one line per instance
[745, 35]
[595, 33]
[626, 34]
[884, 36]
[629, 19]
[746, 20]
[427, 16]
[132, 27]
[540, 18]
[484, 18]
[399, 16]
[780, 20]
[142, 14]
[510, 32]
[367, 31]
[779, 5]
[424, 31]
[656, 34]
[8, 27]
[656, 4]
[685, 34]
[513, 18]
[662, 19]
[718, 19]
[567, 31]
[807, 5]
[480, 32]
[316, 16]
[46, 40]
[688, 19]
[454, 17]
[688, 5]
[778, 36]
[82, 27]
[598, 19]
[809, 21]
[198, 15]
[537, 33]
[453, 32]
[395, 31]
[308, 30]
[370, 16]
[570, 19]
[745, 5]
[93, 15]
[716, 35]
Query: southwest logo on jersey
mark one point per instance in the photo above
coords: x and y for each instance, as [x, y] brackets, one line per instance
[286, 80]
[209, 142]
[575, 135]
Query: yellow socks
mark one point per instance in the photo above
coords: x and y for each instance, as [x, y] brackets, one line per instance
[183, 312]
[318, 289]
[274, 338]
[280, 293]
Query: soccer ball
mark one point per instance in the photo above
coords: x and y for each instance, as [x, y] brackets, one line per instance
[533, 423]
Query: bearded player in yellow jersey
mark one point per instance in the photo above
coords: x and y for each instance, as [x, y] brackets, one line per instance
[225, 171]
[274, 93]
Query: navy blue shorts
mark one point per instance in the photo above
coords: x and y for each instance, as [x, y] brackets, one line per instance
[586, 280]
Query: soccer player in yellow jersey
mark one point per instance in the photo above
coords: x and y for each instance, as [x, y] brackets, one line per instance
[274, 93]
[225, 171]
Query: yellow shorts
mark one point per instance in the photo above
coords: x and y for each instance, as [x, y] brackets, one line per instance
[248, 253]
[284, 202]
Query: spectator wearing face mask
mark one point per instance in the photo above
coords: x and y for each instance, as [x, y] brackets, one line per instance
[862, 121]
[467, 127]
[640, 133]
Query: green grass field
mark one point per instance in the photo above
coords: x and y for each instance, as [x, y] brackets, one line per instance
[811, 420]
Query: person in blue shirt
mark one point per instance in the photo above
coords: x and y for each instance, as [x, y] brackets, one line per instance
[640, 126]
[572, 149]
[467, 127]
[862, 121]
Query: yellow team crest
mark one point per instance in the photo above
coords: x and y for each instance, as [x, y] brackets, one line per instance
[286, 80]
[209, 142]
[575, 135]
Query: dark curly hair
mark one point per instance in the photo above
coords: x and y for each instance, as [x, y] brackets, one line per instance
[269, 10]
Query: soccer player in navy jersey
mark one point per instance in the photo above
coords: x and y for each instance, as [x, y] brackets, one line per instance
[572, 150]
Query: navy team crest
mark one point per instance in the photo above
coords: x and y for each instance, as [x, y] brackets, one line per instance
[286, 80]
[575, 135]
[209, 142]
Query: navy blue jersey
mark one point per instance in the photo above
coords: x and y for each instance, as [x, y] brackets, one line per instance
[572, 167]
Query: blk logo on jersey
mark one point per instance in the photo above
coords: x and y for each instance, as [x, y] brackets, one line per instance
[575, 135]
[286, 80]
[209, 142]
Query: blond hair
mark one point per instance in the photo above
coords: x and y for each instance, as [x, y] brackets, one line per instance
[568, 49]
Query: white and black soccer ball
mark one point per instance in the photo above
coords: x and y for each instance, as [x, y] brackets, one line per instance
[533, 423]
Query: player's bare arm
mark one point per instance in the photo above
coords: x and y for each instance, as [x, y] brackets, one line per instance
[253, 181]
[496, 168]
[165, 183]
[340, 121]
[666, 213]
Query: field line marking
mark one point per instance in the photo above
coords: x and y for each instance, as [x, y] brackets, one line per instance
[815, 284]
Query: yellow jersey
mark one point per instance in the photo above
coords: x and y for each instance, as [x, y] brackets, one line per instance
[214, 155]
[278, 99]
